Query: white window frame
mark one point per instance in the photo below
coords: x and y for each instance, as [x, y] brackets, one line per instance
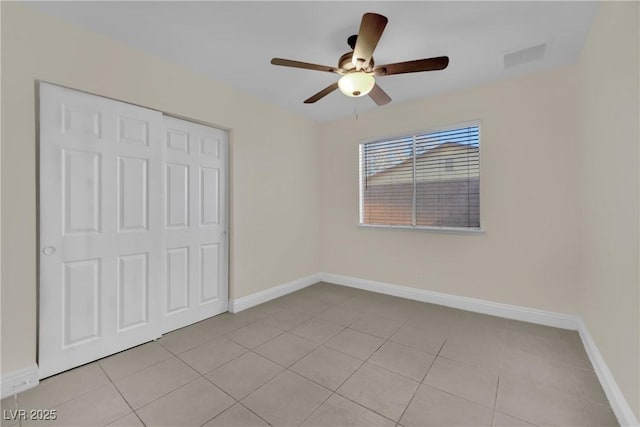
[454, 230]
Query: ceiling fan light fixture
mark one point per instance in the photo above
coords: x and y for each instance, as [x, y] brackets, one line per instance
[356, 84]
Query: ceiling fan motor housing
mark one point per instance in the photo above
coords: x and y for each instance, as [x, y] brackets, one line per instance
[345, 63]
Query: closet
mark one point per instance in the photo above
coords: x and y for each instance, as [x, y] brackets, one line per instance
[133, 214]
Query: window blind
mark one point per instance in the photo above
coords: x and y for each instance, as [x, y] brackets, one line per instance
[425, 180]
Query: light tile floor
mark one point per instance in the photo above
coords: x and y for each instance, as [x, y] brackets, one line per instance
[334, 356]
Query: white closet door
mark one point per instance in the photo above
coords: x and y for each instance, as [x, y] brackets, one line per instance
[100, 227]
[195, 223]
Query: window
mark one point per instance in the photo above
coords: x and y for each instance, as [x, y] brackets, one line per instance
[427, 180]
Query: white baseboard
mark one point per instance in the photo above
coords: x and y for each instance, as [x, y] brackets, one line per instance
[18, 381]
[618, 403]
[249, 301]
[542, 317]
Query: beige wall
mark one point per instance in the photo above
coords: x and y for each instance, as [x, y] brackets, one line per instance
[274, 176]
[529, 203]
[610, 90]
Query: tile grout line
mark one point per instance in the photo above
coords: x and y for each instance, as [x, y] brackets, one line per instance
[121, 395]
[421, 382]
[316, 408]
[79, 395]
[63, 373]
[500, 366]
[495, 401]
[201, 322]
[248, 350]
[332, 392]
[424, 377]
[190, 348]
[236, 401]
[223, 391]
[282, 331]
[169, 392]
[139, 370]
[448, 392]
[287, 368]
[459, 397]
[361, 365]
[365, 407]
[254, 413]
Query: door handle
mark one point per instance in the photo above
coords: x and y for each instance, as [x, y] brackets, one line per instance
[49, 250]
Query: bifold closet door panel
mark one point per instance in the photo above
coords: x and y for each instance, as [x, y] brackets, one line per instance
[101, 231]
[195, 223]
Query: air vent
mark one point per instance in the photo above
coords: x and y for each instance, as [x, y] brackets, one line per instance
[523, 56]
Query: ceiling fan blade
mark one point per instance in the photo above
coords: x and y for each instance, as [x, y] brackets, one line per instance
[305, 65]
[324, 92]
[379, 96]
[430, 64]
[371, 29]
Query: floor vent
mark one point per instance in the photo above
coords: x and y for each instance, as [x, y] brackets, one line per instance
[523, 56]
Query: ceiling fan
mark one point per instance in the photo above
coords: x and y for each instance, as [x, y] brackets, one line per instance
[357, 68]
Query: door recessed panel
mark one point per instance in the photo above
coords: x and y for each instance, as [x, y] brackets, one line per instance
[81, 192]
[177, 140]
[210, 146]
[81, 301]
[177, 195]
[177, 279]
[210, 269]
[81, 121]
[209, 196]
[133, 131]
[133, 192]
[133, 290]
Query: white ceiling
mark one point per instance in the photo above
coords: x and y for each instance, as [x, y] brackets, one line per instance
[233, 42]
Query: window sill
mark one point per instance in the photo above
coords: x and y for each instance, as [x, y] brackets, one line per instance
[446, 230]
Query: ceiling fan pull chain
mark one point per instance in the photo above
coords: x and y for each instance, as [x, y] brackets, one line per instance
[355, 110]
